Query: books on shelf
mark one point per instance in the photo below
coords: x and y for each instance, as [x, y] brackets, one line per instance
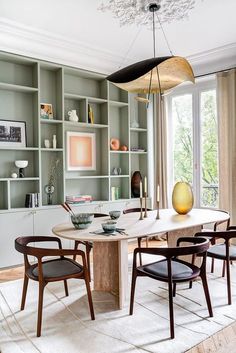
[74, 199]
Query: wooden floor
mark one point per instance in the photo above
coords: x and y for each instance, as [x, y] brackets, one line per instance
[222, 342]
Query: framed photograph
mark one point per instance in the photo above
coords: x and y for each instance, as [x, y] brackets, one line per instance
[81, 151]
[12, 133]
[46, 111]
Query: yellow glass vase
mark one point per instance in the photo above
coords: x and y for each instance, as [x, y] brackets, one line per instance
[182, 197]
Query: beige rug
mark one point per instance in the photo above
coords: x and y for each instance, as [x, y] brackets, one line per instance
[67, 327]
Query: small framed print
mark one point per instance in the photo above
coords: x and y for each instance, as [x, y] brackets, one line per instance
[46, 111]
[81, 151]
[12, 133]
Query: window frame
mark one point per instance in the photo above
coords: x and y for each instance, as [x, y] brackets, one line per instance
[201, 85]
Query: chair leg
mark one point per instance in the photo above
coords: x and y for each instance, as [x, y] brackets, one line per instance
[190, 284]
[40, 308]
[223, 268]
[228, 282]
[25, 286]
[131, 308]
[139, 246]
[66, 288]
[171, 310]
[147, 242]
[174, 289]
[212, 265]
[88, 249]
[90, 300]
[75, 248]
[207, 294]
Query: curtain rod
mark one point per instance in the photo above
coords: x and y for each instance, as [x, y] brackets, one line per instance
[215, 72]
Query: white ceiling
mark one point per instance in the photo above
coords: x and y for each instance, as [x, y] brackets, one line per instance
[211, 26]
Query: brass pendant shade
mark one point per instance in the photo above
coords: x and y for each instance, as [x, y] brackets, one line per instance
[142, 77]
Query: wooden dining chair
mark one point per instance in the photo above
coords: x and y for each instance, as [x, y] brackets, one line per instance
[88, 245]
[224, 251]
[220, 225]
[58, 269]
[173, 270]
[139, 239]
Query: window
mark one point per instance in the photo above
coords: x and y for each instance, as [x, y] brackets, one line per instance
[193, 145]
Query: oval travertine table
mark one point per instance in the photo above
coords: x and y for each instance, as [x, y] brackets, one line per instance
[110, 252]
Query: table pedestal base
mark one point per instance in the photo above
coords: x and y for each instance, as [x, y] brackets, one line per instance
[110, 268]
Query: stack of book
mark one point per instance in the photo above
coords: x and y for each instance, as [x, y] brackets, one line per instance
[78, 199]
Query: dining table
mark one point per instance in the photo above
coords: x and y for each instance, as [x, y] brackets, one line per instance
[110, 251]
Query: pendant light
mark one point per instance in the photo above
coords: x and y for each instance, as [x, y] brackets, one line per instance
[154, 75]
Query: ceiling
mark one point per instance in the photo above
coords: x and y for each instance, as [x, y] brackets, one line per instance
[209, 28]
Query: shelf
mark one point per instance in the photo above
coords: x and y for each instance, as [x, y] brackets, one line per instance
[17, 88]
[19, 149]
[137, 152]
[92, 126]
[19, 179]
[119, 176]
[52, 149]
[90, 99]
[86, 177]
[122, 152]
[138, 129]
[47, 121]
[118, 104]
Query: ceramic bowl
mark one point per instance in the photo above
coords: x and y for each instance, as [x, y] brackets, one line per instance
[109, 227]
[114, 214]
[82, 220]
[21, 164]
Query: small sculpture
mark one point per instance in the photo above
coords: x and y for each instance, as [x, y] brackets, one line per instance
[73, 116]
[124, 148]
[115, 144]
[135, 183]
[21, 165]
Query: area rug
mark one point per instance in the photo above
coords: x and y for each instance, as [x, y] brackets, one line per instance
[67, 327]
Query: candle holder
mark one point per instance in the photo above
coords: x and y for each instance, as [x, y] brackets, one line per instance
[158, 210]
[145, 205]
[141, 209]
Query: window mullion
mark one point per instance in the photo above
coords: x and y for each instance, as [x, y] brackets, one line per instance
[196, 148]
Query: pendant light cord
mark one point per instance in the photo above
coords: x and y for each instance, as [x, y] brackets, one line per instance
[164, 35]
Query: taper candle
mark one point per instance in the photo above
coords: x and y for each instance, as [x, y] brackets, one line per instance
[158, 193]
[141, 189]
[145, 184]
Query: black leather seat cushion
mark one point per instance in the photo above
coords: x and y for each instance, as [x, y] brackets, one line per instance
[180, 270]
[58, 268]
[219, 251]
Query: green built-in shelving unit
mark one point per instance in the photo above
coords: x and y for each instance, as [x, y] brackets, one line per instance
[24, 84]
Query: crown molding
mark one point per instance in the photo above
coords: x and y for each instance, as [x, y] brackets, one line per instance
[36, 43]
[214, 60]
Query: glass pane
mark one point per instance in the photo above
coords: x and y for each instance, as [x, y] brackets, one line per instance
[209, 150]
[183, 138]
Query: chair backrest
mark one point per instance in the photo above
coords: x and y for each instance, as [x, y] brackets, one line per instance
[131, 210]
[97, 215]
[198, 245]
[227, 235]
[21, 245]
[221, 223]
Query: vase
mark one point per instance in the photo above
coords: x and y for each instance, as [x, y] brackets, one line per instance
[182, 198]
[135, 183]
[49, 190]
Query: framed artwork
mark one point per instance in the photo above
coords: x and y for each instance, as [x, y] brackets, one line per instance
[12, 133]
[46, 111]
[81, 151]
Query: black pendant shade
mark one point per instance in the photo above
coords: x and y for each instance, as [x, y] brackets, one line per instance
[136, 78]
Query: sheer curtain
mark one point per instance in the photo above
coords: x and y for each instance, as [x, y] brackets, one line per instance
[160, 150]
[226, 100]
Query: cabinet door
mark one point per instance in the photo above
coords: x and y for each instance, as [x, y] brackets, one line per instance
[45, 220]
[13, 225]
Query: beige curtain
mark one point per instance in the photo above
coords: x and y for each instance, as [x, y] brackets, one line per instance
[160, 150]
[226, 100]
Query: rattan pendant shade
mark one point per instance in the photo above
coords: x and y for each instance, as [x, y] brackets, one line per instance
[142, 77]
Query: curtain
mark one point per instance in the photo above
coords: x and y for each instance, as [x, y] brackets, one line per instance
[226, 100]
[160, 150]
